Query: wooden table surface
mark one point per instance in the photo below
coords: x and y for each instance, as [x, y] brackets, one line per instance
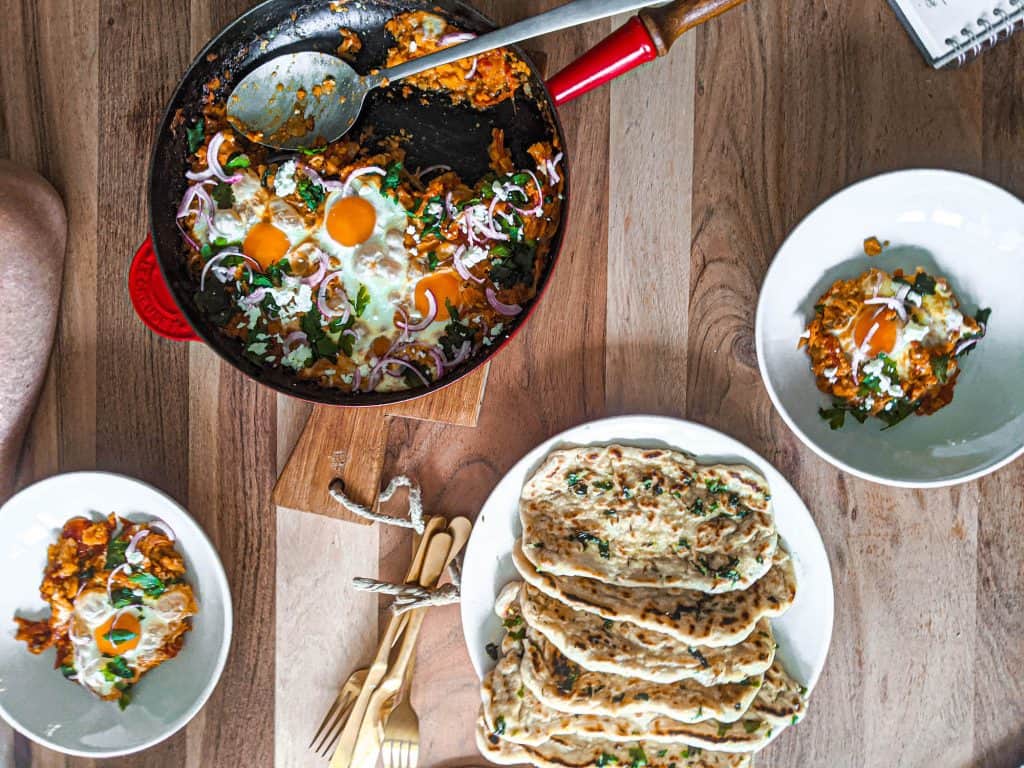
[688, 175]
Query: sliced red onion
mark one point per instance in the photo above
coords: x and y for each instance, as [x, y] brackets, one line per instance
[433, 168]
[110, 579]
[357, 379]
[455, 38]
[255, 297]
[132, 548]
[188, 238]
[209, 265]
[894, 304]
[452, 213]
[346, 188]
[871, 334]
[330, 186]
[404, 364]
[163, 527]
[438, 361]
[462, 269]
[509, 310]
[321, 299]
[552, 168]
[472, 70]
[902, 292]
[212, 155]
[321, 270]
[199, 175]
[462, 354]
[293, 339]
[427, 319]
[483, 227]
[965, 344]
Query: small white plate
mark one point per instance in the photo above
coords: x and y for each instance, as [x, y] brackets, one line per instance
[803, 632]
[35, 699]
[955, 226]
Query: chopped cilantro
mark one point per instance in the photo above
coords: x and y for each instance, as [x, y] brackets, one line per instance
[585, 538]
[311, 192]
[68, 670]
[516, 267]
[123, 597]
[393, 176]
[432, 260]
[118, 667]
[151, 585]
[638, 758]
[716, 486]
[751, 725]
[238, 160]
[223, 195]
[836, 415]
[499, 726]
[119, 636]
[606, 759]
[195, 136]
[115, 554]
[901, 408]
[362, 300]
[940, 367]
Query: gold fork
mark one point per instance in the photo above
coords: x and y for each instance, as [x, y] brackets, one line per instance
[401, 744]
[337, 716]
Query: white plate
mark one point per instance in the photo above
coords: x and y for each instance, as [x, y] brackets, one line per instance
[803, 632]
[35, 699]
[955, 226]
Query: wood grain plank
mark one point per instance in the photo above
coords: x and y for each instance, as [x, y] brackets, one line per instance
[786, 115]
[549, 378]
[650, 191]
[999, 647]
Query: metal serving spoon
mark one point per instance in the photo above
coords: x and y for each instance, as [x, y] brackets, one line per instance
[293, 101]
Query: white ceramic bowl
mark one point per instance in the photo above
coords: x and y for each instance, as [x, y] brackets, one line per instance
[803, 632]
[955, 226]
[35, 699]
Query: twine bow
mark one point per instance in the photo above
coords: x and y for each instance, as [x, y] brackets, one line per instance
[407, 596]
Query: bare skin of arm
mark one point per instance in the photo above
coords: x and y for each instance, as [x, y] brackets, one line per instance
[33, 235]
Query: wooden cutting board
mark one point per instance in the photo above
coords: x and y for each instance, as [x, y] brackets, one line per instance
[349, 444]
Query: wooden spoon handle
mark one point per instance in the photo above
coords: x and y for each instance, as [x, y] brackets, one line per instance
[669, 22]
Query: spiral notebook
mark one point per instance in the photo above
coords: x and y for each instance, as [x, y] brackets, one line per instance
[950, 32]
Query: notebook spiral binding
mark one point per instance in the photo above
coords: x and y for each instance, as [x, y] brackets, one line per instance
[988, 30]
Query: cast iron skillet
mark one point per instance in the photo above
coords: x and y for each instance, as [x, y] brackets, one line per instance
[440, 133]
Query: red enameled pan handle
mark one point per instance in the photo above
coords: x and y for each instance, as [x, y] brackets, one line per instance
[625, 49]
[152, 298]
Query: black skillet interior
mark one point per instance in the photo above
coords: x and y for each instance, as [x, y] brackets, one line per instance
[439, 132]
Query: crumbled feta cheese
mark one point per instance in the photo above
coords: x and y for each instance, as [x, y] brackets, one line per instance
[496, 330]
[885, 385]
[258, 348]
[412, 46]
[830, 374]
[806, 334]
[347, 378]
[284, 179]
[869, 403]
[292, 298]
[914, 298]
[435, 209]
[410, 230]
[253, 315]
[299, 357]
[474, 256]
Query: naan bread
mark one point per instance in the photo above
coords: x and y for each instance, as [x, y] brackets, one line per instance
[573, 752]
[648, 517]
[526, 720]
[619, 647]
[688, 615]
[568, 687]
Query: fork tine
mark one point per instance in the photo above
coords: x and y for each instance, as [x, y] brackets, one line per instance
[334, 731]
[328, 718]
[389, 755]
[414, 755]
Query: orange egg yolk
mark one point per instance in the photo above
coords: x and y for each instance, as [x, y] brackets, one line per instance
[445, 287]
[351, 220]
[883, 339]
[265, 243]
[126, 622]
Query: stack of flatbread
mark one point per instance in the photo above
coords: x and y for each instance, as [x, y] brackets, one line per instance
[640, 633]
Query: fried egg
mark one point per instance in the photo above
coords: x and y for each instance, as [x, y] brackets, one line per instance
[137, 634]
